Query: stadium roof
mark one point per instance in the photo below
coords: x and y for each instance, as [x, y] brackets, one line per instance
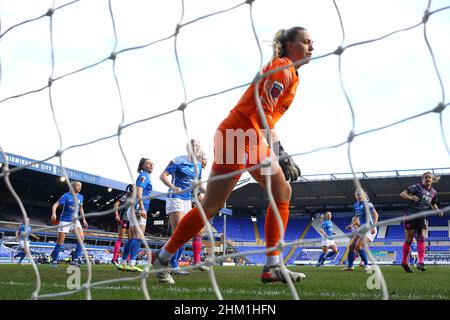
[336, 191]
[39, 182]
[52, 169]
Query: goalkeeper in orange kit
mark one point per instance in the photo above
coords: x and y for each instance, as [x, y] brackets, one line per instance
[240, 142]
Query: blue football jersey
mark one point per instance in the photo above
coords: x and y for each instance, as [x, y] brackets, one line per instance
[327, 227]
[414, 247]
[143, 181]
[22, 231]
[67, 200]
[361, 213]
[183, 173]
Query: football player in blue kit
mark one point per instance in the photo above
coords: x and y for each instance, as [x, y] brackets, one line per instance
[183, 171]
[358, 240]
[421, 198]
[23, 234]
[326, 231]
[72, 206]
[137, 215]
[414, 255]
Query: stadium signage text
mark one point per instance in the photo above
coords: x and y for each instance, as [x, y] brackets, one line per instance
[56, 170]
[49, 168]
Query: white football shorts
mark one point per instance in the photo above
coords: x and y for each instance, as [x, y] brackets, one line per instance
[66, 226]
[178, 205]
[328, 242]
[22, 243]
[134, 220]
[371, 236]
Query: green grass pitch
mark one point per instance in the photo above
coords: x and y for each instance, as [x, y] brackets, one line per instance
[240, 283]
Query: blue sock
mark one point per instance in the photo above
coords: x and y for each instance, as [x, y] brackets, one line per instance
[174, 260]
[330, 254]
[135, 247]
[176, 257]
[22, 256]
[126, 250]
[55, 252]
[351, 257]
[78, 250]
[180, 252]
[362, 254]
[321, 257]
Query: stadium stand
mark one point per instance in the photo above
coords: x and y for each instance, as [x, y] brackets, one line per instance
[386, 250]
[294, 228]
[294, 255]
[253, 258]
[312, 234]
[341, 223]
[218, 223]
[395, 232]
[238, 229]
[39, 187]
[436, 221]
[334, 192]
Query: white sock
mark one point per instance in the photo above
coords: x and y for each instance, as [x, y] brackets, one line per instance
[164, 255]
[272, 260]
[133, 263]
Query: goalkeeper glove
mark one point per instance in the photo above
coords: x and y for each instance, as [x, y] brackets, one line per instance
[290, 169]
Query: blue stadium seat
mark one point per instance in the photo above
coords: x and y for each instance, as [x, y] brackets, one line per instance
[395, 232]
[312, 234]
[294, 229]
[438, 235]
[218, 223]
[341, 223]
[259, 258]
[238, 229]
[436, 221]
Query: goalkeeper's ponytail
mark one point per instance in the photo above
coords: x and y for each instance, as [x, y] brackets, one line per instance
[281, 38]
[279, 42]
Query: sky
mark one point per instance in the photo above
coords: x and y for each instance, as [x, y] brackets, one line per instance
[386, 81]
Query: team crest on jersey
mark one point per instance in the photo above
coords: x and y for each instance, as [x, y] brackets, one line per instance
[142, 179]
[276, 90]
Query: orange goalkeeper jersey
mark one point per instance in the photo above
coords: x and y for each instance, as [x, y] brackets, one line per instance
[276, 91]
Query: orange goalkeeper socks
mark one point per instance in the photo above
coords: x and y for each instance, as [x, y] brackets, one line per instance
[192, 223]
[189, 226]
[271, 227]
